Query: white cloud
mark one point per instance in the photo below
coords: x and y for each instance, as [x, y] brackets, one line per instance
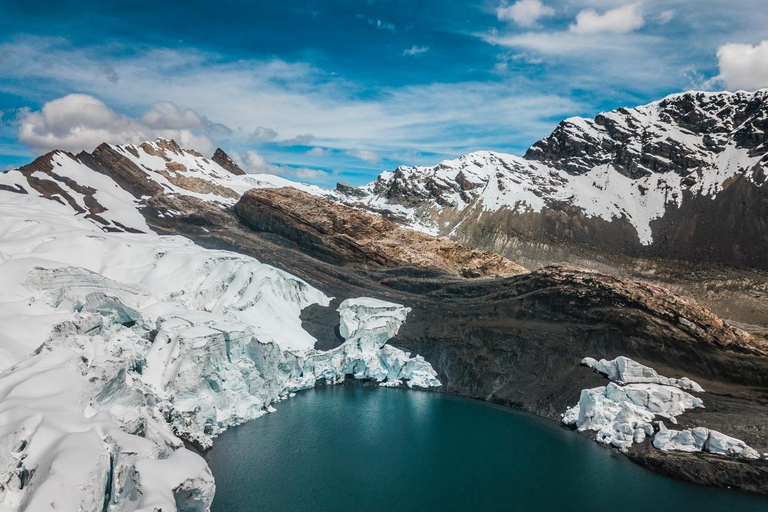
[416, 50]
[621, 20]
[305, 173]
[318, 151]
[79, 122]
[365, 155]
[299, 140]
[444, 118]
[666, 16]
[525, 13]
[262, 134]
[378, 23]
[743, 66]
[254, 163]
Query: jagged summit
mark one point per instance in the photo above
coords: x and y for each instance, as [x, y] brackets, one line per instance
[223, 159]
[679, 133]
[112, 184]
[683, 178]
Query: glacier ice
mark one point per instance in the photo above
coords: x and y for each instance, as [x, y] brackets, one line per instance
[117, 348]
[700, 439]
[628, 371]
[623, 411]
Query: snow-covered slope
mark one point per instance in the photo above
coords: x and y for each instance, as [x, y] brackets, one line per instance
[118, 343]
[629, 172]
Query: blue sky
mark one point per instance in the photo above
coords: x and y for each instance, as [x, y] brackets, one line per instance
[326, 91]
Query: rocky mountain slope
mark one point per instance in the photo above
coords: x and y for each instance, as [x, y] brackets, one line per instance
[682, 178]
[342, 235]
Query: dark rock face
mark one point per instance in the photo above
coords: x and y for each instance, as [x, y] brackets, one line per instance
[128, 175]
[349, 190]
[732, 229]
[623, 137]
[223, 159]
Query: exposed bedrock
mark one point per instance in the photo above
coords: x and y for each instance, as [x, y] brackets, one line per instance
[343, 235]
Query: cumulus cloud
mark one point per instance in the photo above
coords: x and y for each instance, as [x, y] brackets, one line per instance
[525, 13]
[262, 134]
[743, 66]
[365, 155]
[416, 50]
[253, 162]
[621, 20]
[79, 122]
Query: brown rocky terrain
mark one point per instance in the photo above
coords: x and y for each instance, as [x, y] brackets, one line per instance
[339, 234]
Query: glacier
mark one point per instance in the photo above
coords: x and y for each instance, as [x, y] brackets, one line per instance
[120, 348]
[624, 412]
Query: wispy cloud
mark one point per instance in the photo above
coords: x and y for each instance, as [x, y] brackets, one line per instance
[254, 163]
[377, 23]
[365, 154]
[299, 140]
[416, 50]
[293, 98]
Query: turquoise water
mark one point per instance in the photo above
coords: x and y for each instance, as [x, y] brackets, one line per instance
[349, 448]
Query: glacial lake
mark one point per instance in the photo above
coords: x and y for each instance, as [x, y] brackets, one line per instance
[345, 448]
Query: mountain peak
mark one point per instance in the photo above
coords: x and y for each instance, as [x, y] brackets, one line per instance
[223, 159]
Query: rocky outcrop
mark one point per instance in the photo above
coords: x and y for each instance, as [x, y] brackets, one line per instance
[343, 235]
[223, 159]
[657, 137]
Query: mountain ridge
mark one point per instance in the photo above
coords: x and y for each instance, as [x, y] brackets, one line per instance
[681, 178]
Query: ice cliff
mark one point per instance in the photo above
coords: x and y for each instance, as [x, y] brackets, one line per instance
[624, 412]
[702, 439]
[118, 347]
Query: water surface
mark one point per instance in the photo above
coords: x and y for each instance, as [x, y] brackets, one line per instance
[349, 448]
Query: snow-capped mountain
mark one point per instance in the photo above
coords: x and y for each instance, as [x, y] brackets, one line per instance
[119, 344]
[683, 178]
